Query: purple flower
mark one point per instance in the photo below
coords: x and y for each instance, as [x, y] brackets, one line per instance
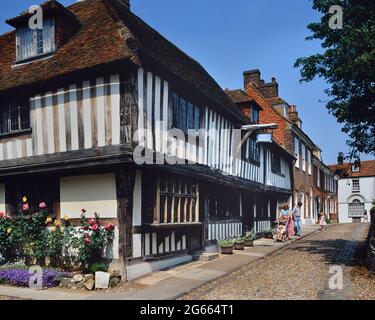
[21, 278]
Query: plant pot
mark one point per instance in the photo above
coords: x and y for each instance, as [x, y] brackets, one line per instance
[268, 236]
[226, 249]
[239, 245]
[249, 243]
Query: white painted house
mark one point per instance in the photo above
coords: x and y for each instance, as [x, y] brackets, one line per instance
[356, 190]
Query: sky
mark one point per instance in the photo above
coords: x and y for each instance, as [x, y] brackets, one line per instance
[228, 37]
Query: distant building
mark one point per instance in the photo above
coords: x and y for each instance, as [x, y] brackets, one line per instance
[324, 189]
[356, 189]
[289, 134]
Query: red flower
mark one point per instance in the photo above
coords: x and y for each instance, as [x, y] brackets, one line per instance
[92, 222]
[25, 207]
[2, 214]
[109, 226]
[83, 210]
[87, 240]
[95, 227]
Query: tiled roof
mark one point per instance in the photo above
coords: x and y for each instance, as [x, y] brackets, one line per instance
[110, 33]
[276, 101]
[367, 169]
[238, 96]
[98, 42]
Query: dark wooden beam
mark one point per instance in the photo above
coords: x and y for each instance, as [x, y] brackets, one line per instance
[125, 181]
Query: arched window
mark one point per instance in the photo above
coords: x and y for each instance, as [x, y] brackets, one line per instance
[356, 209]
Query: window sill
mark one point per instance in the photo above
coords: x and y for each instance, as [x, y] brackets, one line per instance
[174, 225]
[278, 174]
[15, 133]
[35, 58]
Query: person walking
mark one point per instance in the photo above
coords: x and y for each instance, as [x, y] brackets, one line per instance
[365, 217]
[322, 221]
[282, 231]
[297, 217]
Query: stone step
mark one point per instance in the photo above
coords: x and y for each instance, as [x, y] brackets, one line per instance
[208, 256]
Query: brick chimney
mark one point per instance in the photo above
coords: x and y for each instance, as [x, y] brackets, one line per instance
[293, 114]
[251, 76]
[270, 90]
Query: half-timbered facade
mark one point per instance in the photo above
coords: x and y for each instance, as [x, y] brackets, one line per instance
[103, 113]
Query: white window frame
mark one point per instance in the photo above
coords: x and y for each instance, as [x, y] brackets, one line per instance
[356, 188]
[296, 151]
[318, 177]
[303, 151]
[309, 162]
[356, 209]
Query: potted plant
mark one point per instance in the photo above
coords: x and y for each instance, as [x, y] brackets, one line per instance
[226, 246]
[239, 243]
[268, 233]
[249, 238]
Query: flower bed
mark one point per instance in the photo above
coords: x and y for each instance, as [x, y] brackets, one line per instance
[21, 277]
[36, 237]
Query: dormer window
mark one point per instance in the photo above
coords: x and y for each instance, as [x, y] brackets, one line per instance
[34, 43]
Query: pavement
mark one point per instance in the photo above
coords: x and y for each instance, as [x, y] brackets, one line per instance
[172, 283]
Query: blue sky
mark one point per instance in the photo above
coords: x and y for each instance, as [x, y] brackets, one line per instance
[228, 37]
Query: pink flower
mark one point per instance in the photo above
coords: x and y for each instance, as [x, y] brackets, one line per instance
[87, 240]
[95, 227]
[92, 222]
[42, 205]
[25, 207]
[109, 226]
[2, 214]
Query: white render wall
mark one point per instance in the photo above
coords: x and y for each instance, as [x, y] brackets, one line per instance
[95, 193]
[346, 196]
[2, 197]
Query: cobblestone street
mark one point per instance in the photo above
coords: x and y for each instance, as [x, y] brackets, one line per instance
[301, 271]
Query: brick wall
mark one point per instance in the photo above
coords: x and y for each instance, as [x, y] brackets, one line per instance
[270, 115]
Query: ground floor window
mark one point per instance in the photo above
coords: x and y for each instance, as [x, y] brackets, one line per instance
[356, 209]
[36, 190]
[171, 199]
[224, 203]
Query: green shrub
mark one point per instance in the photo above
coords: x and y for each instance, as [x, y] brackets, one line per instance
[96, 267]
[250, 235]
[227, 242]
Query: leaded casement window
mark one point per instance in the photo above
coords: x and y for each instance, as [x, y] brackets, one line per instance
[355, 185]
[223, 204]
[14, 117]
[250, 151]
[275, 163]
[356, 209]
[171, 199]
[185, 115]
[255, 116]
[32, 43]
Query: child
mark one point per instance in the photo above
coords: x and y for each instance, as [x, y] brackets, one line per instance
[322, 221]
